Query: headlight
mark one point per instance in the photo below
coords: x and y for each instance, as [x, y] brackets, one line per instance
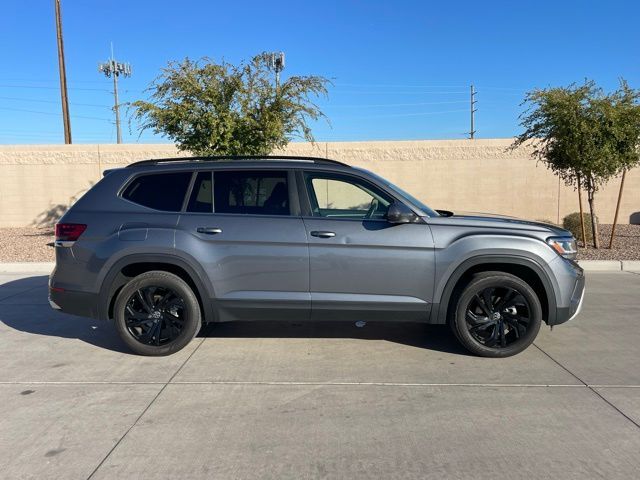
[564, 246]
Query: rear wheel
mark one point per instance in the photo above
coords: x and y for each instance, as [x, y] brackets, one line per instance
[157, 313]
[496, 315]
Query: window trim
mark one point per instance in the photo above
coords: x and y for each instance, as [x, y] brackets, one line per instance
[187, 197]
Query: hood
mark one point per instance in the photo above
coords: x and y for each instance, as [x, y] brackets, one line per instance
[490, 220]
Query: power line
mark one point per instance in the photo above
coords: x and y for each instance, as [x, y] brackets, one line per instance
[396, 104]
[52, 88]
[419, 114]
[505, 88]
[382, 85]
[34, 100]
[404, 93]
[52, 113]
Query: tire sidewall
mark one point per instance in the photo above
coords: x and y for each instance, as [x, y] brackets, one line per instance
[479, 284]
[158, 279]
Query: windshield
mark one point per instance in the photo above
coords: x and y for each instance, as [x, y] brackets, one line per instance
[402, 193]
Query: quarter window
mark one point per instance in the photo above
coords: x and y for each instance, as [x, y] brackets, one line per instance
[340, 196]
[251, 192]
[160, 191]
[201, 199]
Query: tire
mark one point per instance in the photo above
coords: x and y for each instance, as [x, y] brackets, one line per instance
[157, 314]
[496, 315]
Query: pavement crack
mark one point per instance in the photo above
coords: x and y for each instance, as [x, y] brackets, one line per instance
[590, 387]
[146, 409]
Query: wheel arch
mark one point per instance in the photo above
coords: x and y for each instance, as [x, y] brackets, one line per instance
[522, 267]
[130, 266]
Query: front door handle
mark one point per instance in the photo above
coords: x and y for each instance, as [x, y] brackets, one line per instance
[209, 230]
[322, 234]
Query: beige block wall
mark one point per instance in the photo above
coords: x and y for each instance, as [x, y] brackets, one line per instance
[38, 181]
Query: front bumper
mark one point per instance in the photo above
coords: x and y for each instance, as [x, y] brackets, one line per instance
[579, 307]
[565, 314]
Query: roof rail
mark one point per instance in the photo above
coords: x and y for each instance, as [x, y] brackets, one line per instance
[238, 158]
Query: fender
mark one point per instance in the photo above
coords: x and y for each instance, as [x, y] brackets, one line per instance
[439, 310]
[109, 283]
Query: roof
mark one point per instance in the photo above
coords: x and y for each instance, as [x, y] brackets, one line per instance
[238, 158]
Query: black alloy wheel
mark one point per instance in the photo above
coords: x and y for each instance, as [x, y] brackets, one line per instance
[155, 315]
[498, 317]
[496, 314]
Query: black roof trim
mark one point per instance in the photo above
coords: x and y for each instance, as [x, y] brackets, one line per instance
[238, 158]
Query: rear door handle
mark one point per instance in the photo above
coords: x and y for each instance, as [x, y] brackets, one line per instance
[209, 230]
[322, 234]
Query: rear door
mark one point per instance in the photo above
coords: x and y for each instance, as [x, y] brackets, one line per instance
[361, 266]
[244, 228]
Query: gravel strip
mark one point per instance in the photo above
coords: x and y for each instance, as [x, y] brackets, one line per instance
[29, 244]
[626, 244]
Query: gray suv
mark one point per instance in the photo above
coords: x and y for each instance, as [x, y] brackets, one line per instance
[162, 247]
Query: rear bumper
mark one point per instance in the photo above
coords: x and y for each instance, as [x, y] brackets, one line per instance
[82, 304]
[575, 306]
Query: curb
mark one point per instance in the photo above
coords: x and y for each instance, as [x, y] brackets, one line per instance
[601, 265]
[27, 267]
[610, 265]
[587, 265]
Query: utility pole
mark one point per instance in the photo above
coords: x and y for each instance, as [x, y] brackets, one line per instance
[112, 68]
[63, 75]
[276, 63]
[473, 109]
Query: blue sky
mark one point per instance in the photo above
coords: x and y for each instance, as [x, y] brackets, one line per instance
[401, 69]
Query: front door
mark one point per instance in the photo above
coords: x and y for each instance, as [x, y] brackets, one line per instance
[242, 228]
[361, 266]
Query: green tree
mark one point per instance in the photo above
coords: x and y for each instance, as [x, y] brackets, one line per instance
[583, 134]
[210, 108]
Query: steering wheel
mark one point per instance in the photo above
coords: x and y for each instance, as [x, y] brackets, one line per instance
[373, 208]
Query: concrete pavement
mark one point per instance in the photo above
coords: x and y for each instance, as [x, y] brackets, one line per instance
[323, 400]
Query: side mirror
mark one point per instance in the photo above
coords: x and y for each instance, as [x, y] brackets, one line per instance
[445, 213]
[400, 213]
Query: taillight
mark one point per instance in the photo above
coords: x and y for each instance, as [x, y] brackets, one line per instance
[69, 232]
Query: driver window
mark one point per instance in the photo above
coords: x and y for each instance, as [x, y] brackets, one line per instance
[345, 197]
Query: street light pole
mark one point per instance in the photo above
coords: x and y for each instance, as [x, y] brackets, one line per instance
[63, 75]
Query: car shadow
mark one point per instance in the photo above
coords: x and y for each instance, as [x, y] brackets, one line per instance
[36, 317]
[24, 307]
[419, 335]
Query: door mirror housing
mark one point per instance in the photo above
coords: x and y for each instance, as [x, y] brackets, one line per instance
[445, 213]
[399, 213]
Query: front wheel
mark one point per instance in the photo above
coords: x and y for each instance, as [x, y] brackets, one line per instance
[157, 313]
[496, 315]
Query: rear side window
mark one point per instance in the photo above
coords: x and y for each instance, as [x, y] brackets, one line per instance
[160, 191]
[251, 192]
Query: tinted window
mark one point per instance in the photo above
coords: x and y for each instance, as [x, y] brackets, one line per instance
[201, 199]
[251, 192]
[340, 196]
[161, 191]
